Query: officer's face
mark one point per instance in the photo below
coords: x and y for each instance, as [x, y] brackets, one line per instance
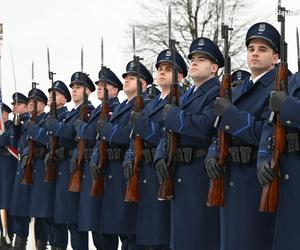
[164, 74]
[20, 108]
[112, 91]
[40, 106]
[202, 68]
[60, 99]
[130, 87]
[77, 93]
[260, 57]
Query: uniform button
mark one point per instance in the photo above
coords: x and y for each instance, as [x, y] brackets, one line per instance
[227, 127]
[17, 172]
[59, 173]
[288, 122]
[83, 176]
[110, 176]
[286, 177]
[34, 171]
[179, 180]
[231, 184]
[104, 138]
[144, 181]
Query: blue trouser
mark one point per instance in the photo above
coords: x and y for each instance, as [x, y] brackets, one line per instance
[105, 241]
[21, 226]
[79, 240]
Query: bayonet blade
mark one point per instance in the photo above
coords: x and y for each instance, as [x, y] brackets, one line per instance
[1, 31]
[133, 40]
[170, 24]
[298, 48]
[13, 69]
[222, 12]
[102, 53]
[81, 59]
[32, 71]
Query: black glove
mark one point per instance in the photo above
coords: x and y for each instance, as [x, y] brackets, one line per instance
[78, 123]
[94, 171]
[128, 169]
[265, 173]
[50, 121]
[134, 116]
[221, 105]
[161, 170]
[24, 161]
[277, 98]
[165, 111]
[213, 169]
[73, 165]
[100, 125]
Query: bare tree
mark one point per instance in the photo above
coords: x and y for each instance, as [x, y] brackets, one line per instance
[191, 19]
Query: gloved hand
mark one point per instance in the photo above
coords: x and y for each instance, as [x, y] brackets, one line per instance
[277, 98]
[127, 169]
[265, 173]
[134, 116]
[94, 171]
[78, 123]
[100, 125]
[161, 170]
[73, 165]
[24, 161]
[213, 169]
[165, 111]
[221, 105]
[50, 121]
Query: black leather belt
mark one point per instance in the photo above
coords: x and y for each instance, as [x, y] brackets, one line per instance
[188, 154]
[62, 153]
[40, 152]
[115, 154]
[243, 155]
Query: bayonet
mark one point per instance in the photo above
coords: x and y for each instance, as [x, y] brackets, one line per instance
[298, 48]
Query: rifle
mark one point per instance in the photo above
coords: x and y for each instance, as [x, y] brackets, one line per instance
[97, 188]
[216, 188]
[166, 188]
[27, 174]
[51, 169]
[132, 193]
[75, 181]
[270, 192]
[298, 48]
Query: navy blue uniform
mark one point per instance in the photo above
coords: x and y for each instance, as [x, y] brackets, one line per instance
[192, 222]
[118, 217]
[90, 207]
[19, 205]
[287, 216]
[244, 226]
[67, 203]
[153, 226]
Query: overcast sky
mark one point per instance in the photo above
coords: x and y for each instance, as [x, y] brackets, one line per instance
[66, 25]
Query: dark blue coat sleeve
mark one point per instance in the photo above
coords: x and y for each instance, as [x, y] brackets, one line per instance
[289, 113]
[186, 123]
[116, 133]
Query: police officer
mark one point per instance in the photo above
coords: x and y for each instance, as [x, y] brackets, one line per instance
[238, 77]
[42, 191]
[7, 172]
[90, 207]
[153, 230]
[20, 193]
[244, 119]
[193, 225]
[117, 216]
[287, 219]
[67, 203]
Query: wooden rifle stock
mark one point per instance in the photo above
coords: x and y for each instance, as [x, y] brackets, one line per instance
[97, 188]
[51, 169]
[269, 197]
[166, 188]
[27, 174]
[216, 188]
[76, 177]
[132, 193]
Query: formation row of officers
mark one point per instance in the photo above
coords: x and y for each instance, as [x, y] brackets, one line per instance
[185, 223]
